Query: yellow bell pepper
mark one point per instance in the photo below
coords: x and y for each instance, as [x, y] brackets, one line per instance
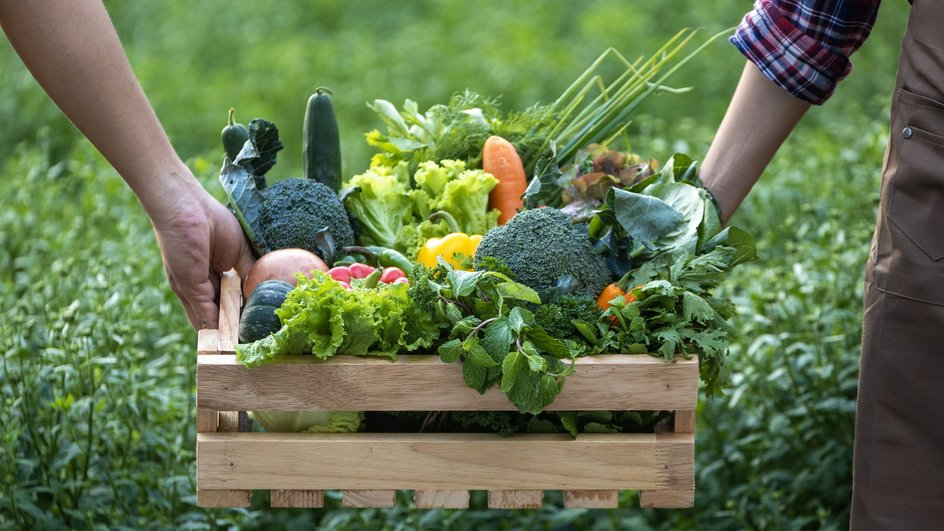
[447, 247]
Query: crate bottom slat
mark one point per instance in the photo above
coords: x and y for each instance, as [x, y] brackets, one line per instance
[368, 498]
[515, 499]
[222, 498]
[591, 499]
[448, 499]
[667, 499]
[441, 499]
[297, 499]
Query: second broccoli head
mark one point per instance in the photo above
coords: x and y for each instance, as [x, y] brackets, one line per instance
[295, 210]
[542, 245]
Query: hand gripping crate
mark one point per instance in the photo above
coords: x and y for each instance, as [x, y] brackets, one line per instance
[368, 468]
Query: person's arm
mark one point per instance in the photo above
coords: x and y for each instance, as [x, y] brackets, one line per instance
[760, 117]
[797, 53]
[73, 51]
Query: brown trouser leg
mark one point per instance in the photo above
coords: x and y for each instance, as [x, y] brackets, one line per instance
[898, 477]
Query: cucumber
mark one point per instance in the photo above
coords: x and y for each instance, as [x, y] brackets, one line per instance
[234, 135]
[321, 143]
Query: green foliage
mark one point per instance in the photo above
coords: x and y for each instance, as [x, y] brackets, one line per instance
[558, 317]
[97, 367]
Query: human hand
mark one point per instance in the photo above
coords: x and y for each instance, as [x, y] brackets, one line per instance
[200, 239]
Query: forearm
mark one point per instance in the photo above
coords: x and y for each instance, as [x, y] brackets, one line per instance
[760, 117]
[73, 51]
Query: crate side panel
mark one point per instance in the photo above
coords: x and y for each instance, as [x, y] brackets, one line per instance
[423, 382]
[445, 461]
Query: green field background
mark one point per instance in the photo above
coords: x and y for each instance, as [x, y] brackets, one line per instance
[97, 374]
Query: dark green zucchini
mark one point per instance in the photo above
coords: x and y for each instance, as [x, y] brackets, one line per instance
[234, 135]
[258, 318]
[321, 142]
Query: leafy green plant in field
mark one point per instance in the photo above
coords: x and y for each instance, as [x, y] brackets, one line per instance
[96, 372]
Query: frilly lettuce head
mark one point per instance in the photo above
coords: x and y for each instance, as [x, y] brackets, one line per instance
[322, 318]
[379, 199]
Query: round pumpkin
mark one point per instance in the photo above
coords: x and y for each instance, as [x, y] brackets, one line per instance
[258, 318]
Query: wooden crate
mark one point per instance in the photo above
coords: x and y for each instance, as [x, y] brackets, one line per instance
[440, 467]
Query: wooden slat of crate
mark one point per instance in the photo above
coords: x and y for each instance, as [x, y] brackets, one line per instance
[423, 382]
[297, 499]
[230, 301]
[441, 499]
[209, 420]
[368, 498]
[515, 499]
[444, 461]
[683, 423]
[591, 499]
[667, 499]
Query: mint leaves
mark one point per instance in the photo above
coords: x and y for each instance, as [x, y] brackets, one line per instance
[495, 336]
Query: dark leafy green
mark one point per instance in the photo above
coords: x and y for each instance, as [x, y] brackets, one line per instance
[243, 179]
[259, 152]
[494, 335]
[245, 201]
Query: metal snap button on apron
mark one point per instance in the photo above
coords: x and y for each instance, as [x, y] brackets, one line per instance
[907, 132]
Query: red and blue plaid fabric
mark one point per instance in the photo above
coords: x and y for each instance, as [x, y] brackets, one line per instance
[804, 45]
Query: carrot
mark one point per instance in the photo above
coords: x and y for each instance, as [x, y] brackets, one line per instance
[500, 158]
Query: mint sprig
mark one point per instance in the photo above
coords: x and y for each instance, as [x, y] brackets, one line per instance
[496, 338]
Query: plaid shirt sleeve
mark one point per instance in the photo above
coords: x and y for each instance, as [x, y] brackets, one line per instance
[804, 45]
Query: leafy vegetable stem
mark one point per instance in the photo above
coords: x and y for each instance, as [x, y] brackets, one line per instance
[457, 302]
[482, 325]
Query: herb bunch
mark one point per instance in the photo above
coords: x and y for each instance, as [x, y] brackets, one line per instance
[494, 334]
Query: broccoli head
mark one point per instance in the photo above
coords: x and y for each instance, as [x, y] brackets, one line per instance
[294, 210]
[542, 245]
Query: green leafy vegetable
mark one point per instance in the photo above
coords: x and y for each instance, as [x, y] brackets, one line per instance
[259, 154]
[454, 131]
[393, 207]
[245, 201]
[494, 336]
[322, 318]
[243, 179]
[674, 312]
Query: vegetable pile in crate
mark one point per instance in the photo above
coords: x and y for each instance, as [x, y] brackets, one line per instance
[494, 293]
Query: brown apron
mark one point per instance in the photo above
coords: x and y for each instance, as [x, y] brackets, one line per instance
[898, 476]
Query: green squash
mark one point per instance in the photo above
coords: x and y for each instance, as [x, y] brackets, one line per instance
[258, 318]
